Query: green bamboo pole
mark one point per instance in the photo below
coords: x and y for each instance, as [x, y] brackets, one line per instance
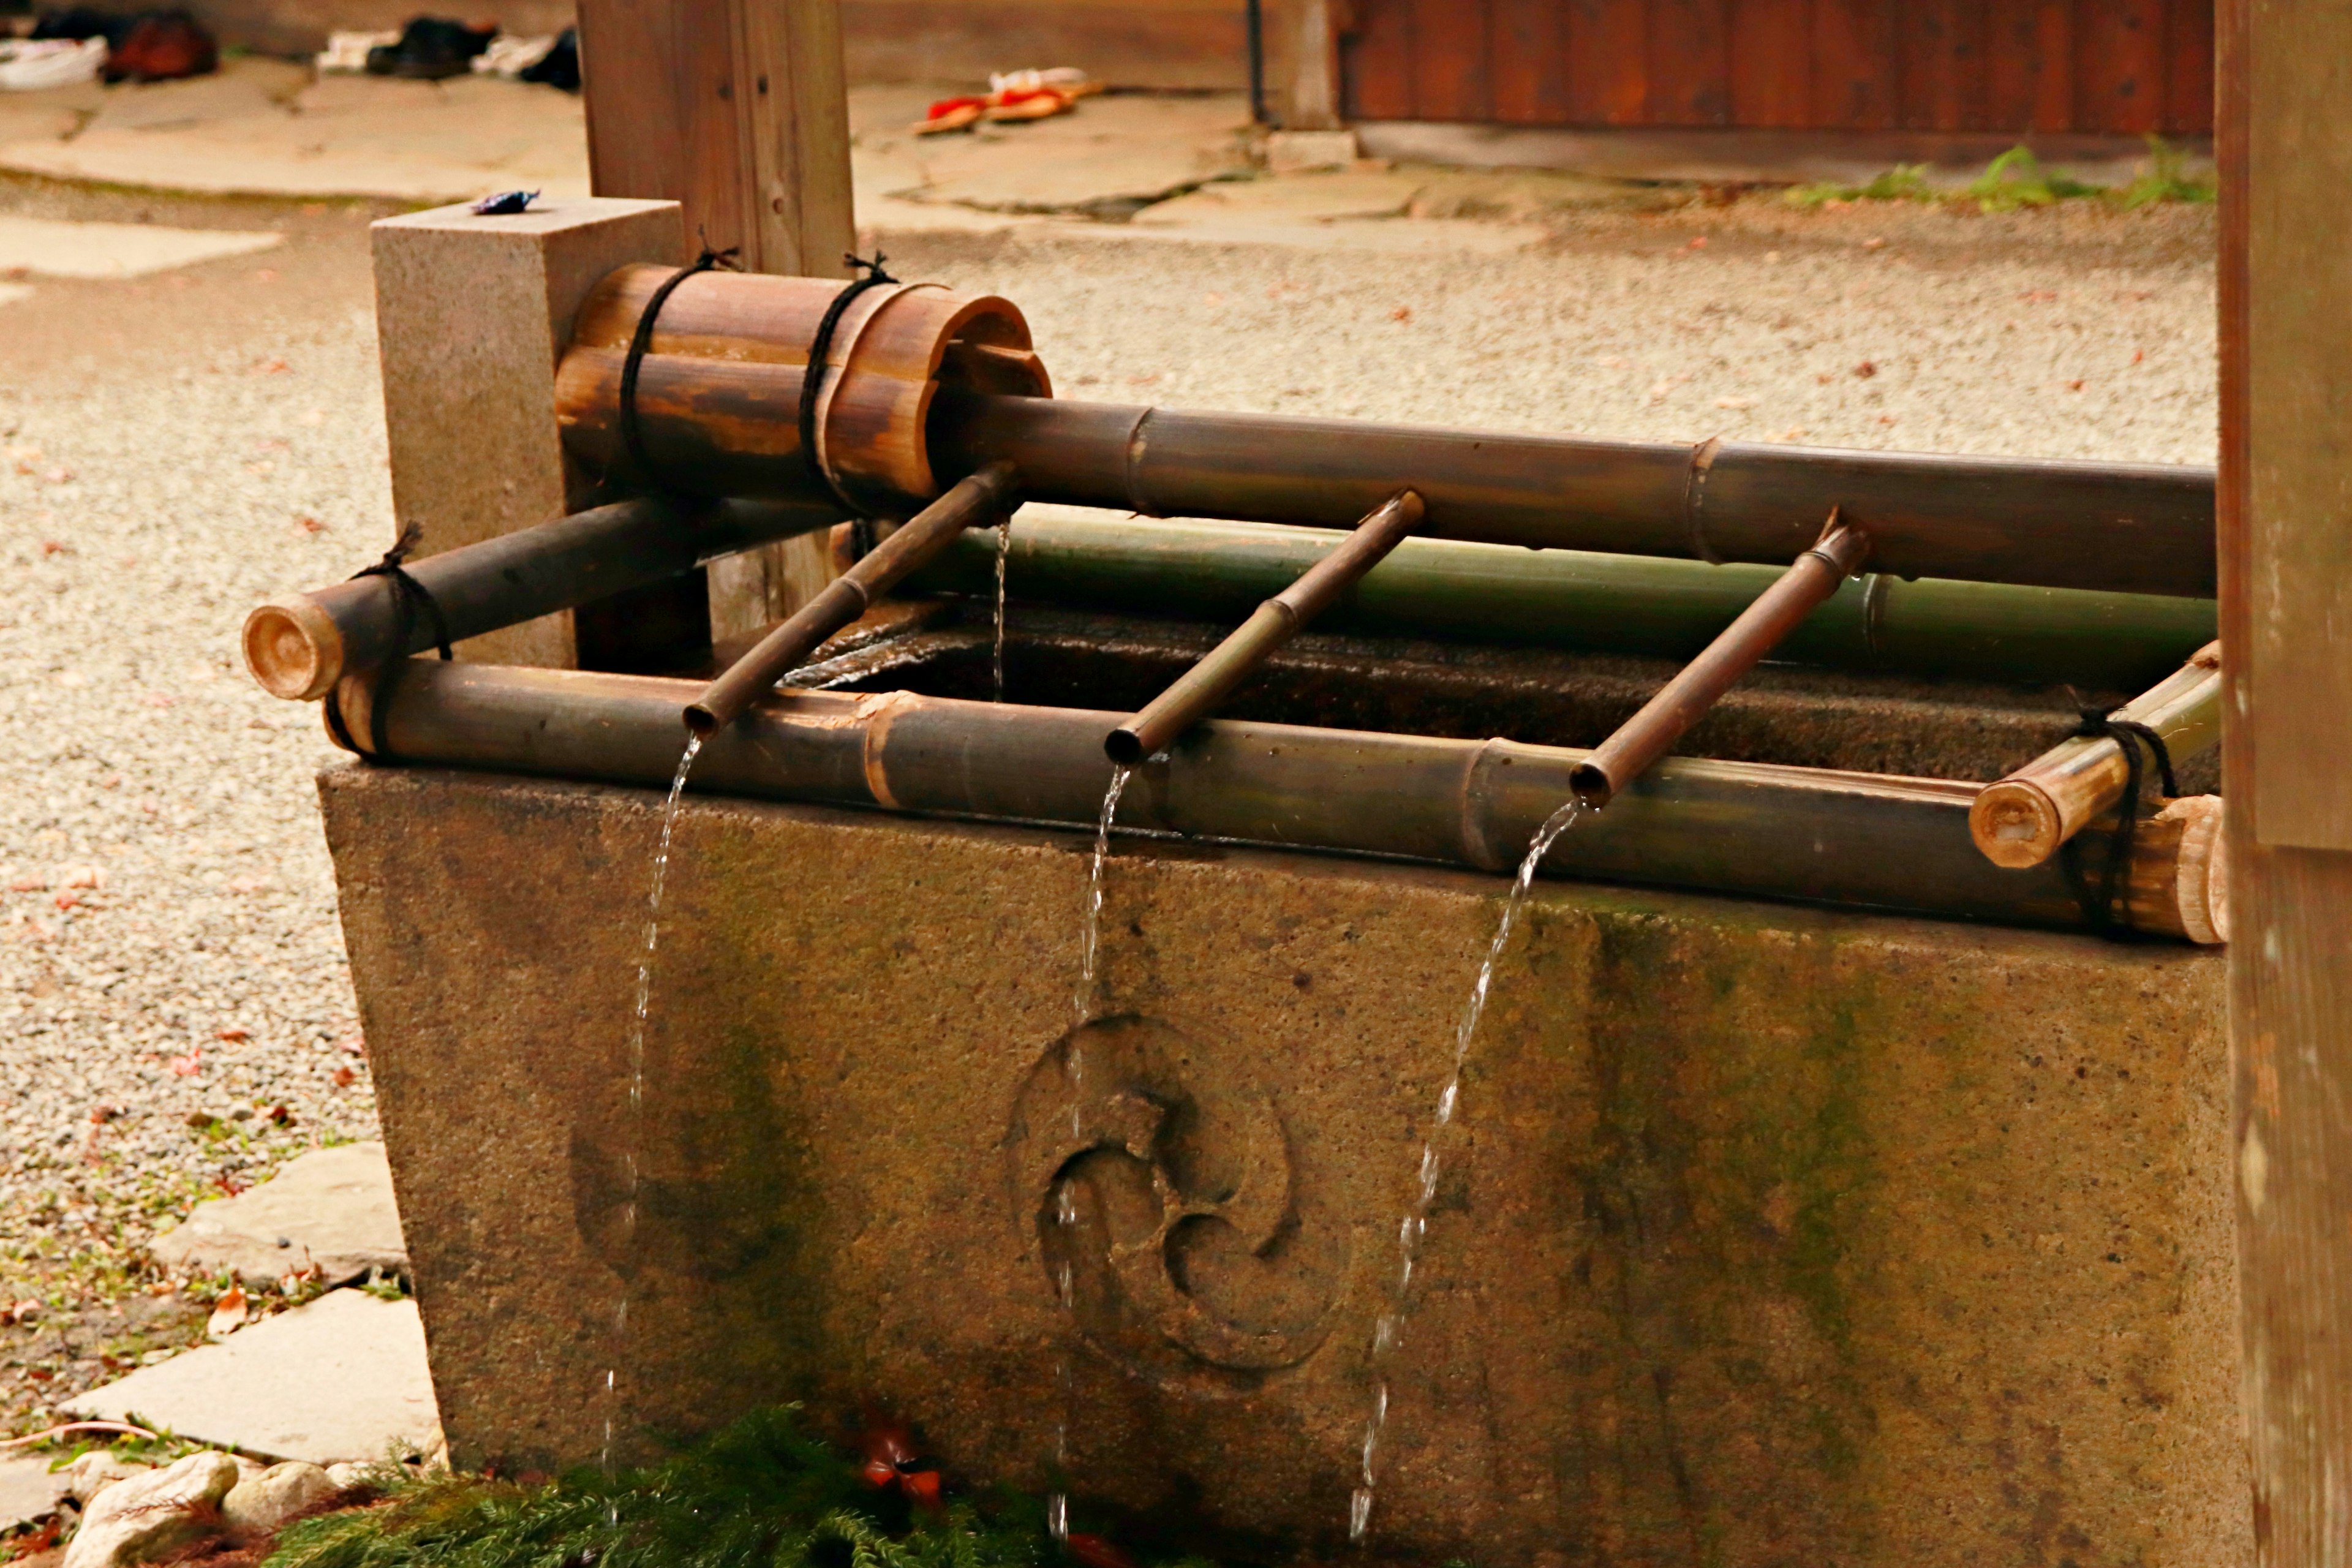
[1584, 601]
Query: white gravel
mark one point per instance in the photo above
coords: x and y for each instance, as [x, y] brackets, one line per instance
[132, 744]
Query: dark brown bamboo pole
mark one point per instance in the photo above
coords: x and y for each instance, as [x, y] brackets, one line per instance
[1201, 689]
[978, 498]
[727, 426]
[2026, 817]
[1820, 836]
[300, 645]
[1653, 731]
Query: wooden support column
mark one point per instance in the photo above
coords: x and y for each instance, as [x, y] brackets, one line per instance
[738, 110]
[1302, 63]
[2285, 520]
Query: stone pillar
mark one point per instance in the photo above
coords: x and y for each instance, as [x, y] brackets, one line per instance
[472, 314]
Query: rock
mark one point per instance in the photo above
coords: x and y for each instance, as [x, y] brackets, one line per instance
[264, 1504]
[342, 1378]
[29, 1490]
[95, 1472]
[352, 1476]
[331, 1209]
[149, 1516]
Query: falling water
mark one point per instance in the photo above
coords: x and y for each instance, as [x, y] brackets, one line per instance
[1003, 553]
[1065, 1202]
[636, 1063]
[1389, 1331]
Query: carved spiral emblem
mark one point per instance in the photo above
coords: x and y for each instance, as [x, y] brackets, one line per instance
[1167, 1203]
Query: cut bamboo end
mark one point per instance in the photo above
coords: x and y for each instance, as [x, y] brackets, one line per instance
[293, 648]
[2180, 882]
[2016, 823]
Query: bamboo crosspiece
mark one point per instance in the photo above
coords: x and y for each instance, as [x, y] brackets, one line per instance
[2027, 816]
[1650, 733]
[1200, 690]
[977, 501]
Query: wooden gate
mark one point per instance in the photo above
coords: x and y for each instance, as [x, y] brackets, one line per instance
[2112, 66]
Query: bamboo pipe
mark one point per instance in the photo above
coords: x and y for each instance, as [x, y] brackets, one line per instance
[1201, 689]
[298, 646]
[1651, 731]
[1753, 829]
[2125, 528]
[980, 496]
[1586, 603]
[2024, 819]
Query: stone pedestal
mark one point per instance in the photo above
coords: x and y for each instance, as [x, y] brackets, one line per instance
[472, 314]
[1766, 1234]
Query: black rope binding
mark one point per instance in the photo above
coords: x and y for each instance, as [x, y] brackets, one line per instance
[408, 596]
[2099, 906]
[633, 436]
[869, 276]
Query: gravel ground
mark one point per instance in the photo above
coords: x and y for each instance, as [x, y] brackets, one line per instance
[172, 451]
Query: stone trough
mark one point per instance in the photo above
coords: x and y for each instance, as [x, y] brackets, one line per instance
[1767, 1232]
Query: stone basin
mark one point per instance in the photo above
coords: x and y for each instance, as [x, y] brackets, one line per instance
[1768, 1234]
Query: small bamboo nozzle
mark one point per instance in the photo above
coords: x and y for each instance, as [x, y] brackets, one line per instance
[1199, 691]
[1650, 733]
[293, 647]
[970, 501]
[2027, 818]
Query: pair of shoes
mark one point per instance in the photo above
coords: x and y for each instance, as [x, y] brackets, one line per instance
[430, 50]
[560, 67]
[162, 45]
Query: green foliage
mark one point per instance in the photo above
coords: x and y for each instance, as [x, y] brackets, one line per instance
[2164, 181]
[761, 1494]
[2016, 179]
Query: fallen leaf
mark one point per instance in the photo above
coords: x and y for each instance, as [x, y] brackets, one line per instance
[2139, 355]
[271, 367]
[345, 1078]
[1402, 313]
[308, 525]
[1866, 370]
[2074, 385]
[233, 1032]
[67, 900]
[187, 1066]
[228, 1315]
[56, 547]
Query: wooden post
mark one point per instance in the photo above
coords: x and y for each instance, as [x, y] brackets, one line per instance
[1302, 63]
[739, 109]
[2285, 538]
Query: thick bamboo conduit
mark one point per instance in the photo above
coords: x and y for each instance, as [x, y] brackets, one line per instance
[1844, 838]
[1582, 601]
[979, 497]
[1654, 728]
[1201, 689]
[2027, 818]
[725, 427]
[301, 645]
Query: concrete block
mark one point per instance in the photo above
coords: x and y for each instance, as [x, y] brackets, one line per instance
[342, 1378]
[331, 1210]
[472, 314]
[1765, 1234]
[1297, 152]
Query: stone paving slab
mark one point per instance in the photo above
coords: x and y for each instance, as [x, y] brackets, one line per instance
[331, 1210]
[342, 1378]
[61, 249]
[28, 1490]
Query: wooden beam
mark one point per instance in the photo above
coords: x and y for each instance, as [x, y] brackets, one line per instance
[2284, 158]
[1302, 64]
[738, 110]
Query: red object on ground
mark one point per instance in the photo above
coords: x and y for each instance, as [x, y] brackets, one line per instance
[892, 1461]
[163, 47]
[1096, 1551]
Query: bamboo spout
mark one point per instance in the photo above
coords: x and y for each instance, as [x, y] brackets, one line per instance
[1652, 733]
[976, 499]
[298, 646]
[1200, 689]
[2026, 818]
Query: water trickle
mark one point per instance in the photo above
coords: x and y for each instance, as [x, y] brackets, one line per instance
[1389, 1331]
[1003, 553]
[1065, 1202]
[635, 1120]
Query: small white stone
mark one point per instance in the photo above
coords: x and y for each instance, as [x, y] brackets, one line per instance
[94, 1472]
[145, 1517]
[264, 1504]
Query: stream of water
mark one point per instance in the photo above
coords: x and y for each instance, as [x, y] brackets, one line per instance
[634, 1121]
[1003, 553]
[1389, 1331]
[1065, 1202]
